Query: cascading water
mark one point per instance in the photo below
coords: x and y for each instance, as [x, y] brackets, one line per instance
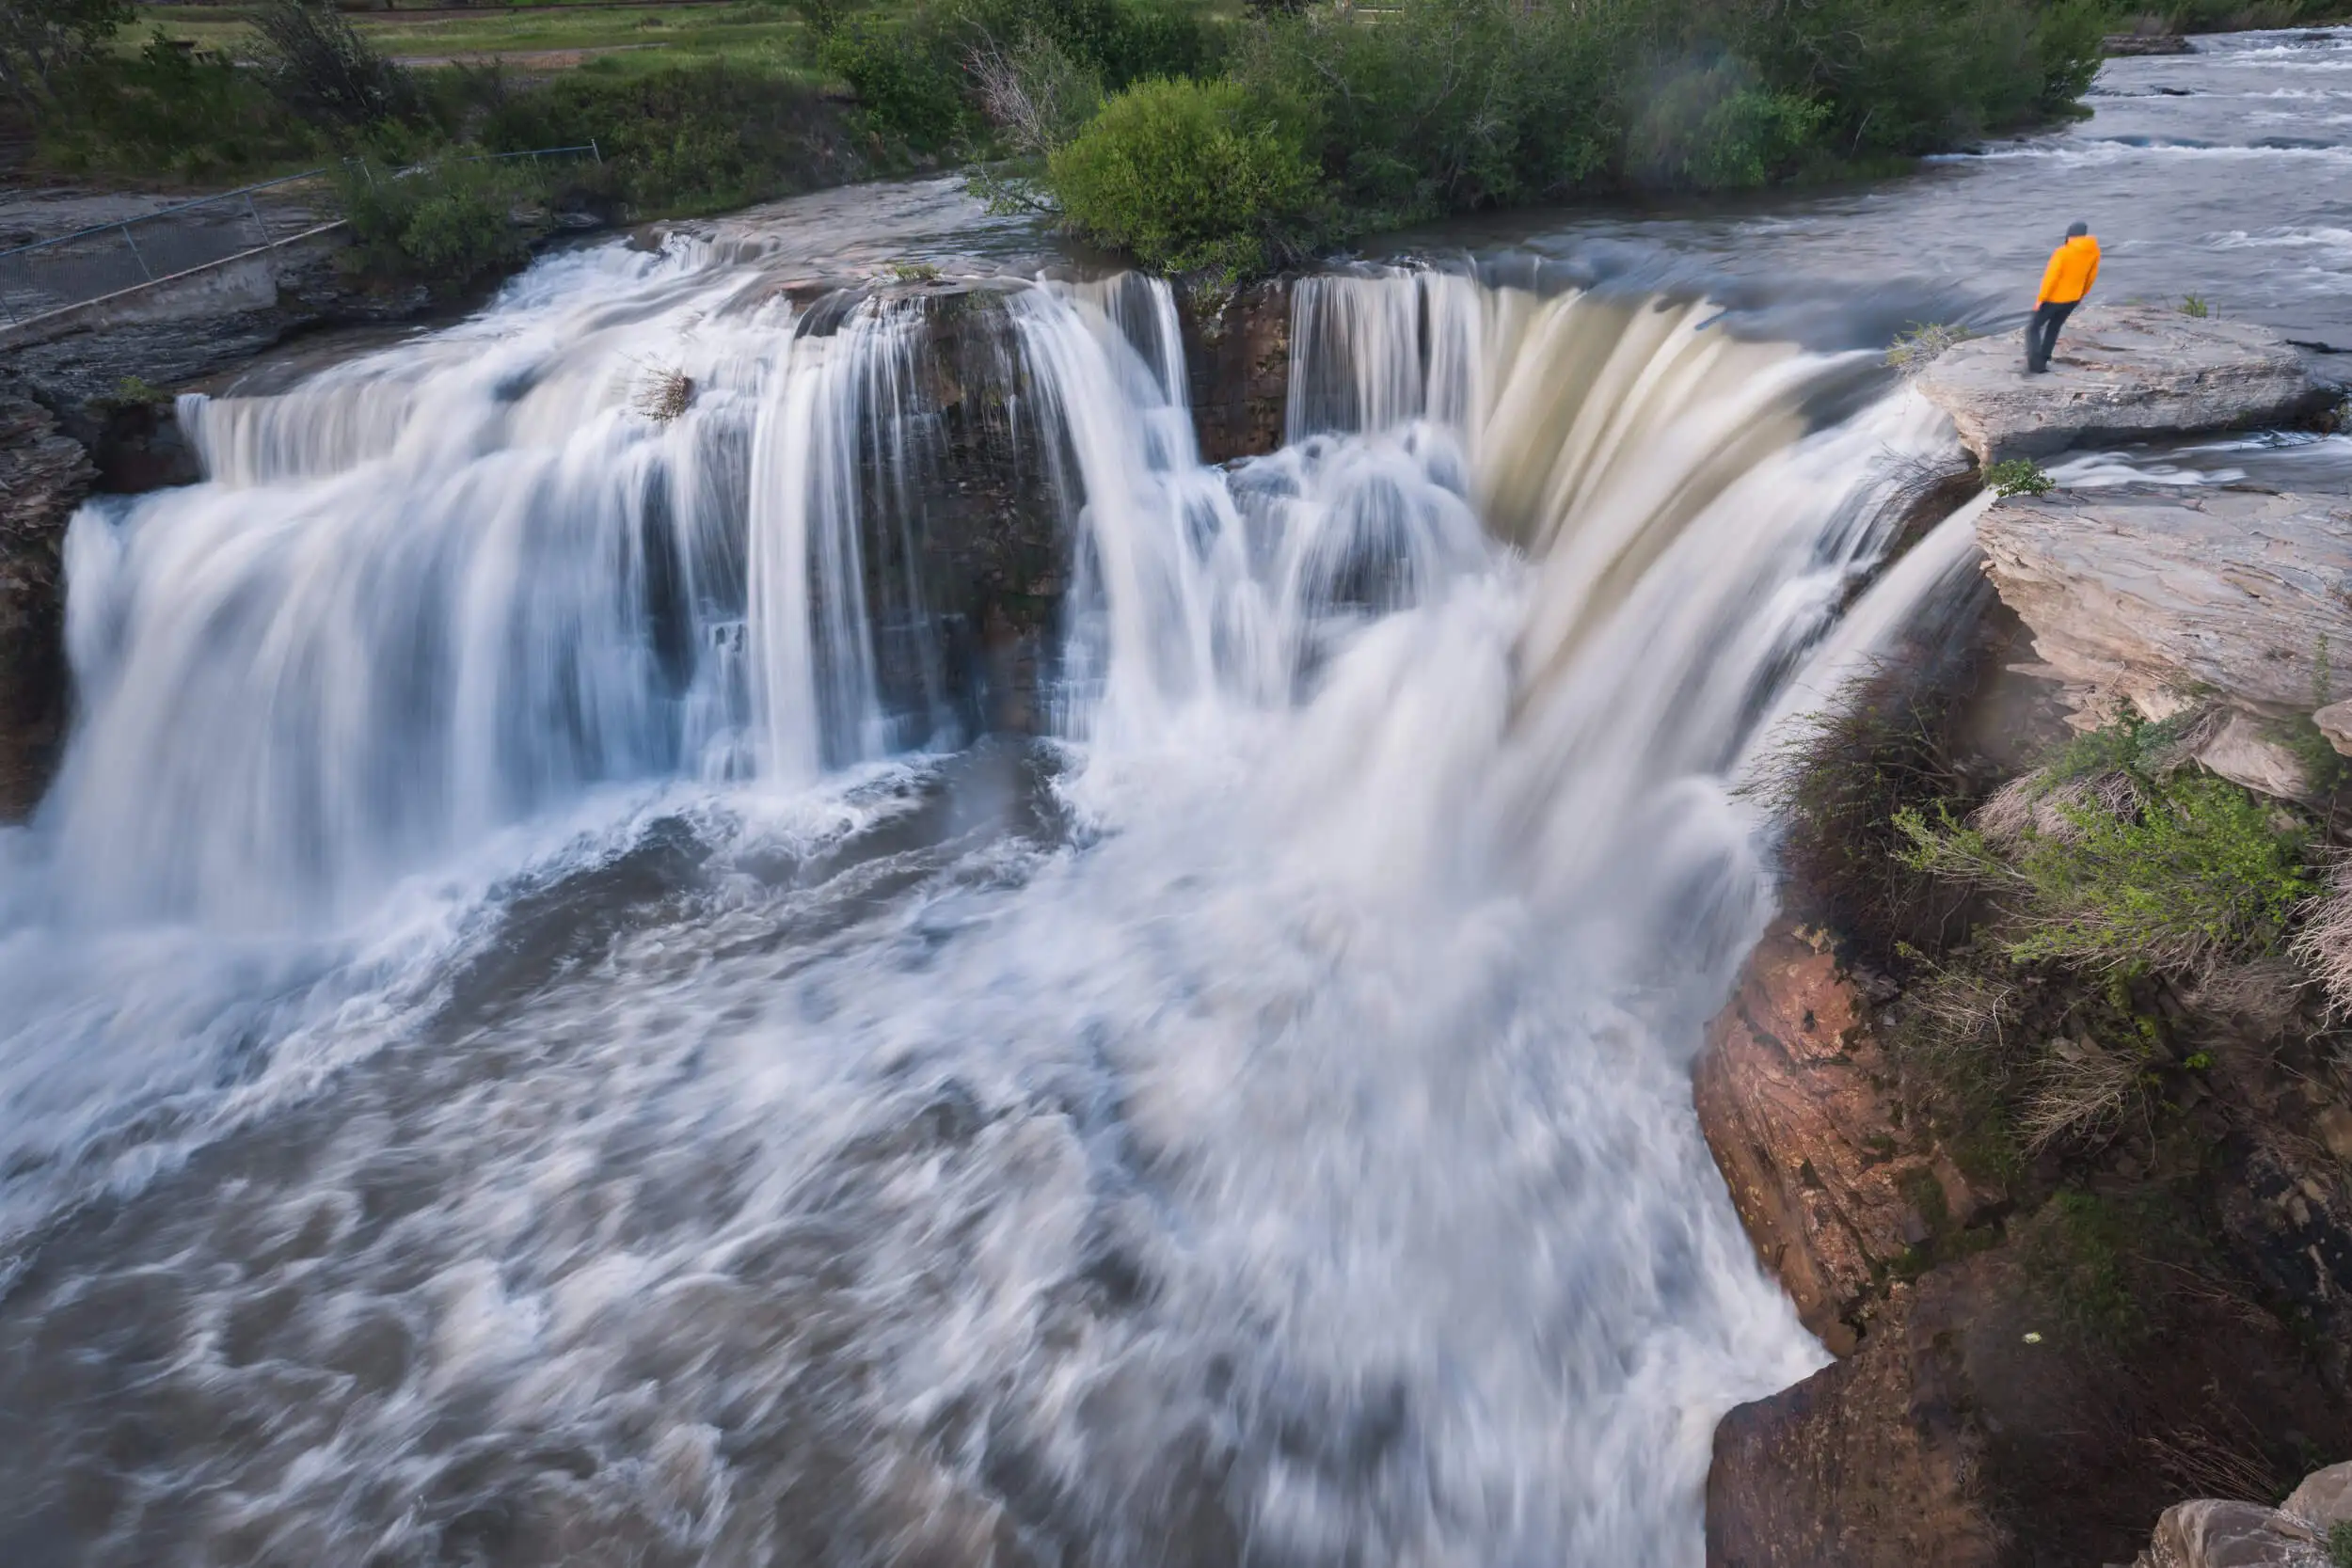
[515, 1061]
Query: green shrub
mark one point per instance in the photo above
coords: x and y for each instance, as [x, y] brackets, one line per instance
[2194, 305]
[683, 139]
[2340, 1544]
[1714, 129]
[2078, 1249]
[1188, 176]
[1451, 104]
[168, 109]
[2018, 476]
[447, 224]
[1121, 41]
[45, 43]
[2174, 873]
[907, 76]
[1835, 785]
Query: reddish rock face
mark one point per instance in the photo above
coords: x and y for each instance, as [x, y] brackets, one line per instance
[1795, 1097]
[1870, 1462]
[1977, 1416]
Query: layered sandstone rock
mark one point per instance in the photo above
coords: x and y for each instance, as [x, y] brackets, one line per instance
[2123, 372]
[1976, 1415]
[2237, 599]
[2212, 1532]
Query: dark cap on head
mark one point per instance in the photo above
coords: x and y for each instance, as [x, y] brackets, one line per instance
[2076, 231]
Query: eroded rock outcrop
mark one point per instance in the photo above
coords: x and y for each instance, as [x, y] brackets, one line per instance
[2123, 372]
[1873, 1462]
[2008, 1392]
[2163, 598]
[1792, 1070]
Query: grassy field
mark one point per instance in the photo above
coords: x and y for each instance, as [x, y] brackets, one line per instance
[624, 38]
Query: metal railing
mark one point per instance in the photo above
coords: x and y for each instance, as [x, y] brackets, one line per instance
[73, 269]
[49, 274]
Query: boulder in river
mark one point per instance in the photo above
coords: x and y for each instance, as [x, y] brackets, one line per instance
[2123, 372]
[2163, 598]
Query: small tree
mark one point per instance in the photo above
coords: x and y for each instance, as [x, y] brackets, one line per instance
[319, 66]
[40, 41]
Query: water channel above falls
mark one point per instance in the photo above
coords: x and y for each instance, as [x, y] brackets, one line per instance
[573, 1002]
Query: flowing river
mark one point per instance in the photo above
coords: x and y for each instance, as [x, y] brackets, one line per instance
[531, 1032]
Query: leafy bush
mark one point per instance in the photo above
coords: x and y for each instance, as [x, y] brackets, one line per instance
[1451, 104]
[447, 224]
[1188, 176]
[907, 76]
[1036, 95]
[1714, 129]
[44, 43]
[2340, 1544]
[2194, 305]
[1119, 41]
[1836, 787]
[2019, 476]
[2078, 1249]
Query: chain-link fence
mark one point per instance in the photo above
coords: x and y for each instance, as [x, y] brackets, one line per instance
[72, 269]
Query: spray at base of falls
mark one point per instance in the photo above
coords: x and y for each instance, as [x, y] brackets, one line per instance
[1257, 1124]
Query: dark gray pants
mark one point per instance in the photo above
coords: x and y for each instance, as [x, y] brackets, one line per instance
[2041, 332]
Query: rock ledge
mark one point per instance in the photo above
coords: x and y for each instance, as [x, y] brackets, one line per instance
[2123, 372]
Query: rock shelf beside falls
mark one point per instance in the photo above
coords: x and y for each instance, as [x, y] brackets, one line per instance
[2123, 372]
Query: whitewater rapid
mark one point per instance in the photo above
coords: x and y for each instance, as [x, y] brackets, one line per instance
[524, 1042]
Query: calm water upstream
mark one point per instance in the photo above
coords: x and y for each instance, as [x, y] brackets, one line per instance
[521, 1043]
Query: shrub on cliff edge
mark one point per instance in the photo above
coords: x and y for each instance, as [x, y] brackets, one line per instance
[2138, 865]
[1189, 176]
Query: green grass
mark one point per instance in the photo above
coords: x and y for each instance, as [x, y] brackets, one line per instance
[672, 35]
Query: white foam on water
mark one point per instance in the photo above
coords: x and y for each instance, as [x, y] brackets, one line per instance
[1295, 1161]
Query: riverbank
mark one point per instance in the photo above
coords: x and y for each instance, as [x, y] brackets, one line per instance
[2039, 1100]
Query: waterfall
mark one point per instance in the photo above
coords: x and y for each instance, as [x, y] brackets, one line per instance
[444, 589]
[512, 817]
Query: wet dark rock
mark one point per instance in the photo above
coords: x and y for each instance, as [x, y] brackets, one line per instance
[1237, 345]
[2116, 45]
[44, 477]
[1872, 1461]
[965, 582]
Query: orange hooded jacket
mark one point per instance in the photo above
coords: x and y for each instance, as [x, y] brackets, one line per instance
[2074, 268]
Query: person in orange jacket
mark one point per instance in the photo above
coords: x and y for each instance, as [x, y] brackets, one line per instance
[2074, 268]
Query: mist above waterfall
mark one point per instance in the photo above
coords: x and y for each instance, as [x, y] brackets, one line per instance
[582, 1054]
